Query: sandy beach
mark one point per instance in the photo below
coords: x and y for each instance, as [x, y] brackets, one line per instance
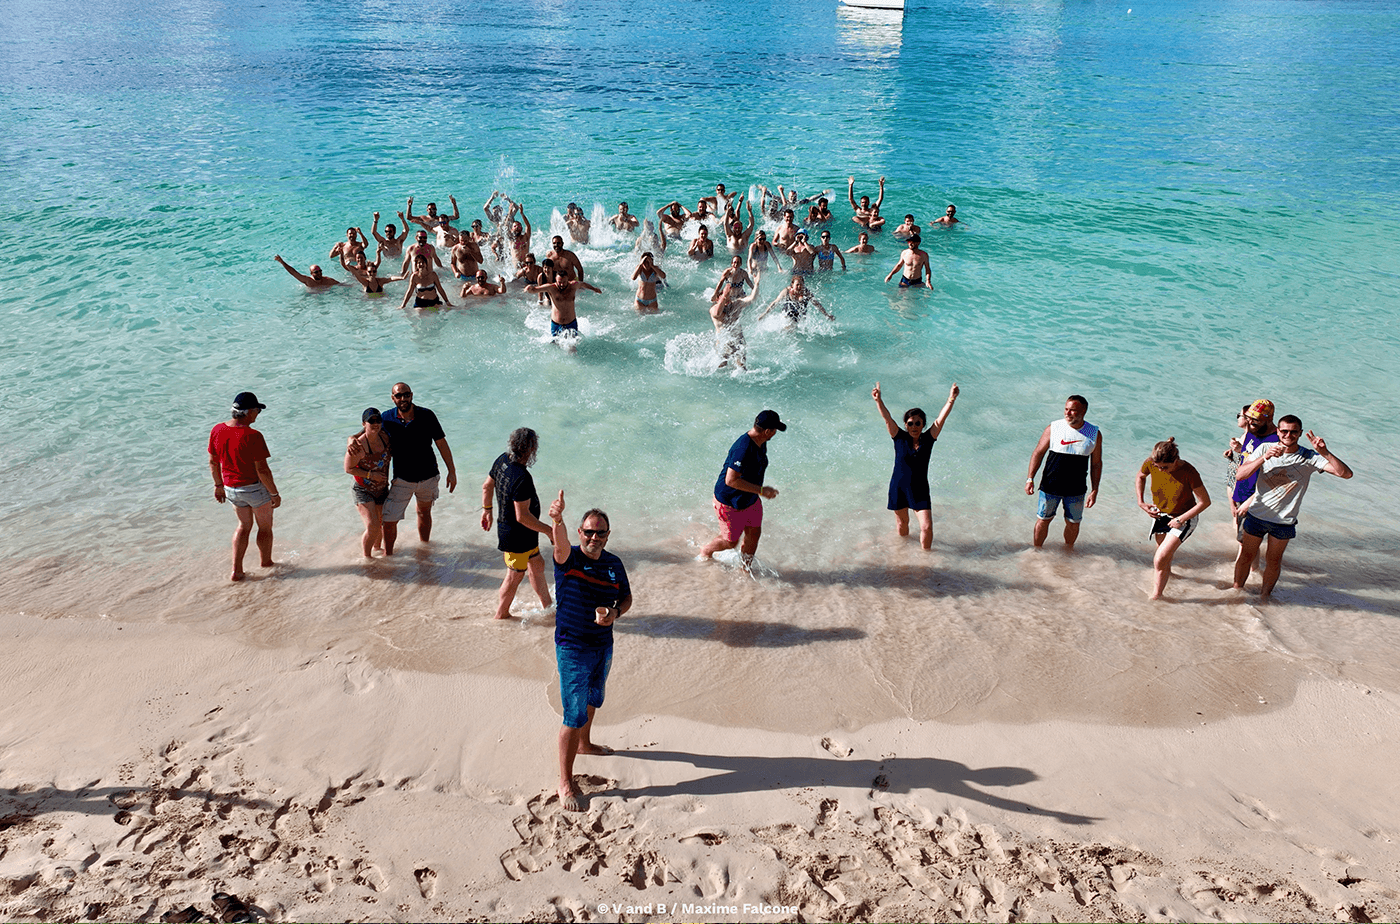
[147, 765]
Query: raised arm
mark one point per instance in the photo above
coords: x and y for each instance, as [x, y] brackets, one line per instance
[374, 229]
[851, 192]
[299, 277]
[1335, 466]
[881, 201]
[456, 212]
[890, 425]
[559, 533]
[942, 418]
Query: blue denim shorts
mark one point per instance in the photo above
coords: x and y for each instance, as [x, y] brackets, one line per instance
[583, 675]
[1261, 528]
[1050, 503]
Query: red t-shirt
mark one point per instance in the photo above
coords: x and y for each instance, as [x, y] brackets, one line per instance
[239, 450]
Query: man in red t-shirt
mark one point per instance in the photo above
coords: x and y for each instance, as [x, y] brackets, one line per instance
[238, 461]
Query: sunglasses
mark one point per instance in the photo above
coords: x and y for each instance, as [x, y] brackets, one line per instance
[403, 394]
[593, 533]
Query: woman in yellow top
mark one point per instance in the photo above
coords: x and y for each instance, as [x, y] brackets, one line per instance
[1178, 497]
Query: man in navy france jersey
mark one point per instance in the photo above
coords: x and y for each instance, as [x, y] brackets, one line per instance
[739, 490]
[590, 591]
[1071, 448]
[413, 431]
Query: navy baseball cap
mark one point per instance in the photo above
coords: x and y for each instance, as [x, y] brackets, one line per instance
[768, 420]
[371, 415]
[246, 401]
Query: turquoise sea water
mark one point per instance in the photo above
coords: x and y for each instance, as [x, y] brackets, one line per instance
[1170, 208]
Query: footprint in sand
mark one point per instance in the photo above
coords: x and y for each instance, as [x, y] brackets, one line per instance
[837, 748]
[427, 881]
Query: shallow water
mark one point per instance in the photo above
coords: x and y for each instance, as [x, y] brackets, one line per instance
[1172, 211]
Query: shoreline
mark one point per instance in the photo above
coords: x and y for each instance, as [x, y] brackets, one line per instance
[316, 786]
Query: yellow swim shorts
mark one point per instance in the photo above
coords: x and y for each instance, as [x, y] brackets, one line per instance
[520, 561]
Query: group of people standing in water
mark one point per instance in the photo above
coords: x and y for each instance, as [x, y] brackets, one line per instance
[506, 234]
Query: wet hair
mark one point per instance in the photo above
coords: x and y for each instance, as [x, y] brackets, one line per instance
[908, 217]
[595, 512]
[915, 412]
[1291, 419]
[522, 445]
[1080, 398]
[915, 240]
[1165, 452]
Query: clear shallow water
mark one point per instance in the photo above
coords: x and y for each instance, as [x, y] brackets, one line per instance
[1172, 211]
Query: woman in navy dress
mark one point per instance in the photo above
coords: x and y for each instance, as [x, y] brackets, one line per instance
[912, 448]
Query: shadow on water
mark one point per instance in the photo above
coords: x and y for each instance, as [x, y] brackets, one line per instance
[901, 775]
[736, 634]
[917, 581]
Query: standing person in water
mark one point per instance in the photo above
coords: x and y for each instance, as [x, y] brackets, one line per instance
[367, 455]
[431, 221]
[1072, 449]
[785, 235]
[913, 446]
[761, 251]
[735, 234]
[367, 275]
[577, 223]
[518, 527]
[948, 219]
[863, 245]
[424, 287]
[672, 221]
[593, 592]
[564, 259]
[740, 491]
[238, 461]
[390, 242]
[702, 248]
[864, 211]
[561, 294]
[736, 275]
[1178, 496]
[1284, 470]
[912, 266]
[828, 253]
[648, 239]
[725, 313]
[420, 248]
[906, 229]
[623, 220]
[648, 276]
[796, 300]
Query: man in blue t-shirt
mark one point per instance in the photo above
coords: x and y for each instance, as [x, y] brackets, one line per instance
[413, 431]
[739, 490]
[590, 592]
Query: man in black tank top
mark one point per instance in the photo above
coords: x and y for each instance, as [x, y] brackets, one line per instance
[1072, 449]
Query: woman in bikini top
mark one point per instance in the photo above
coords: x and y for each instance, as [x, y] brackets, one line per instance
[648, 276]
[424, 287]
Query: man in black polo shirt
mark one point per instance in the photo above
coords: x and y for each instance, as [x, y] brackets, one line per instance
[412, 432]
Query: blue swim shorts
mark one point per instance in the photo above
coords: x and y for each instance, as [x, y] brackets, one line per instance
[1261, 528]
[555, 328]
[1050, 503]
[583, 676]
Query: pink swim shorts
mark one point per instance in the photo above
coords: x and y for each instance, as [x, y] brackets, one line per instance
[733, 522]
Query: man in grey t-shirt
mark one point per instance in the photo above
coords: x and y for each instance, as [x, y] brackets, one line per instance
[1284, 470]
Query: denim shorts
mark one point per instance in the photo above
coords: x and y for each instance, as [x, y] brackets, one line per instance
[1261, 528]
[583, 675]
[1050, 503]
[248, 495]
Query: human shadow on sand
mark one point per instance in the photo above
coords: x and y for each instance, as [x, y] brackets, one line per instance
[19, 806]
[740, 774]
[735, 633]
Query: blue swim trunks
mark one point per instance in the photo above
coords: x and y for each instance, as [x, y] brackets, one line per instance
[555, 328]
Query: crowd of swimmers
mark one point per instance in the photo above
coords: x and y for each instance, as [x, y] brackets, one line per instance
[443, 249]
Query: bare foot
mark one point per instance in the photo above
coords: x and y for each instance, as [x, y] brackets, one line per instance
[588, 747]
[236, 576]
[569, 799]
[267, 563]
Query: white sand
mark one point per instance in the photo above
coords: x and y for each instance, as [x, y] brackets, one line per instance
[146, 766]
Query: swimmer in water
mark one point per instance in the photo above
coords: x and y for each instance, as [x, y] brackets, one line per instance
[577, 224]
[949, 218]
[563, 316]
[828, 253]
[863, 245]
[914, 264]
[529, 272]
[316, 279]
[720, 201]
[796, 300]
[735, 234]
[519, 235]
[734, 275]
[872, 222]
[565, 260]
[649, 239]
[702, 248]
[623, 220]
[648, 276]
[906, 229]
[671, 219]
[419, 248]
[355, 243]
[863, 211]
[786, 234]
[367, 275]
[803, 255]
[480, 288]
[761, 251]
[390, 242]
[466, 256]
[726, 313]
[424, 287]
[431, 221]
